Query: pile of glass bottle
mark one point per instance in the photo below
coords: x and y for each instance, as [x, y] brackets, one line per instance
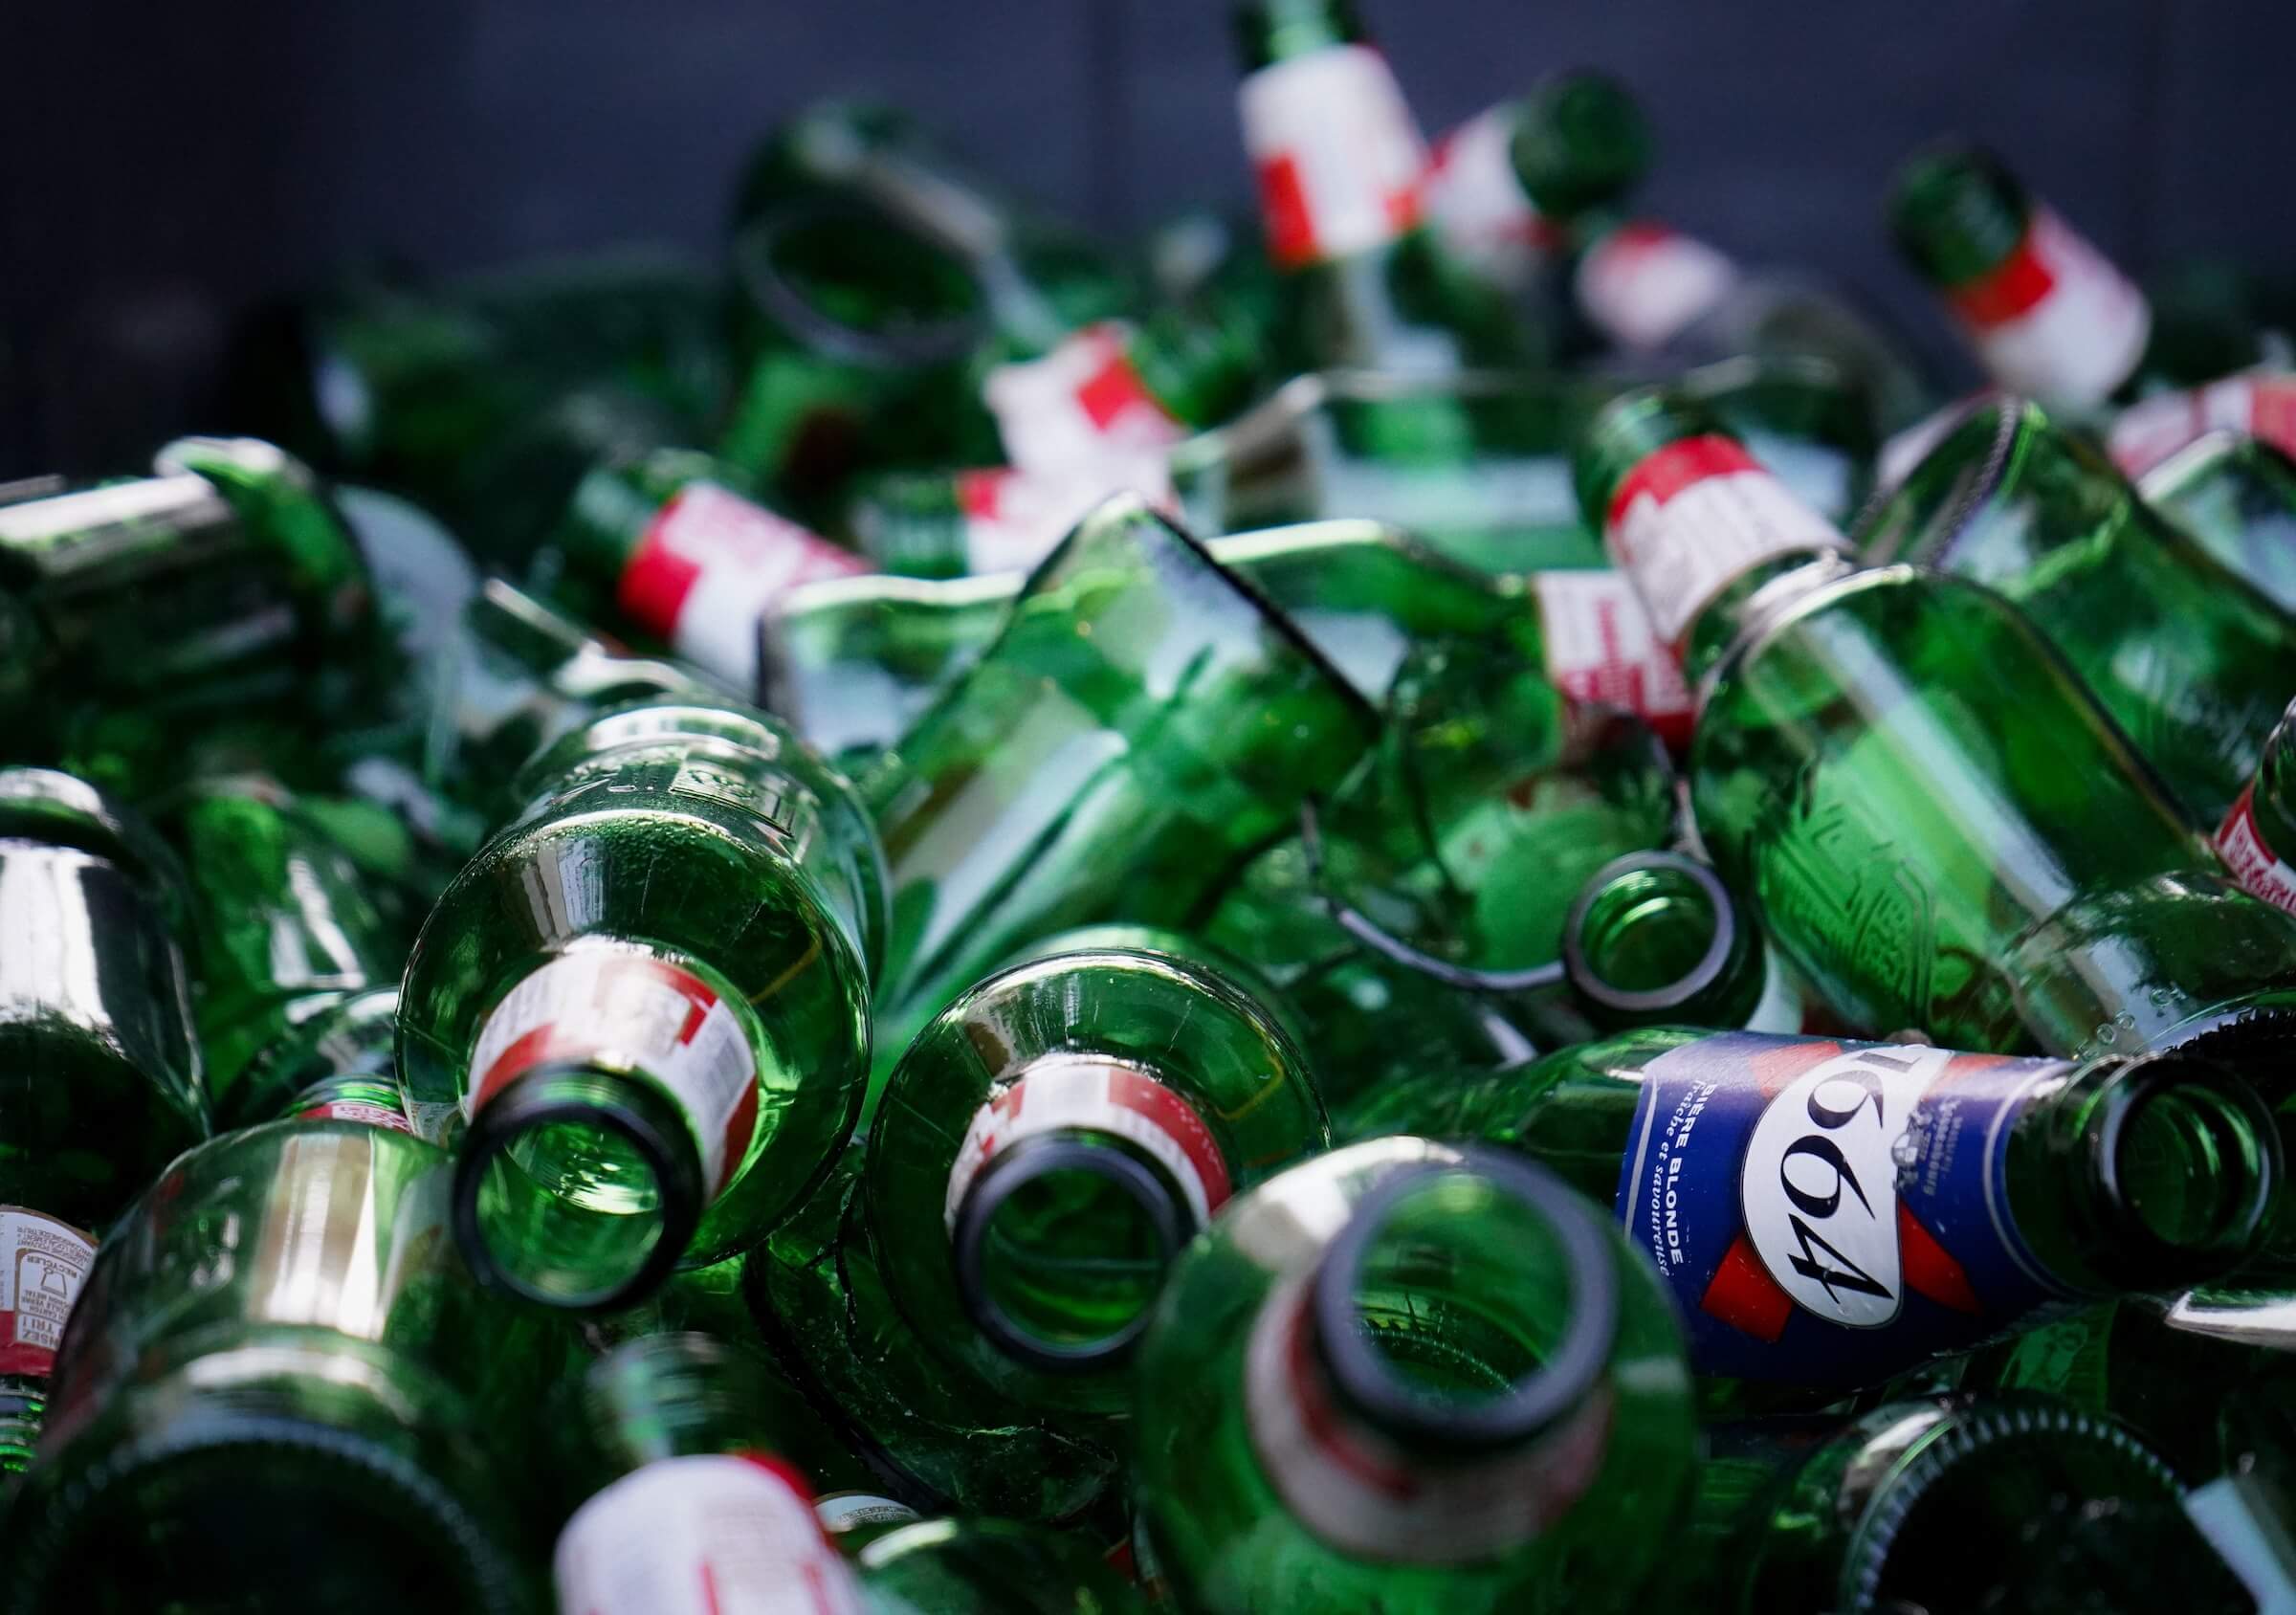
[1429, 909]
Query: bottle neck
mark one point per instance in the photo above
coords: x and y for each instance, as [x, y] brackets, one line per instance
[1655, 939]
[1073, 1187]
[1434, 1390]
[1643, 285]
[2147, 1174]
[1338, 157]
[2258, 837]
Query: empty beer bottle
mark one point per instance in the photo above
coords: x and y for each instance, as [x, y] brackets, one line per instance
[2016, 1503]
[1959, 840]
[1957, 1194]
[685, 1506]
[1655, 939]
[285, 927]
[943, 1566]
[2047, 315]
[1338, 162]
[2261, 825]
[279, 1339]
[2235, 498]
[1504, 185]
[1142, 720]
[646, 997]
[1404, 1377]
[662, 544]
[2191, 659]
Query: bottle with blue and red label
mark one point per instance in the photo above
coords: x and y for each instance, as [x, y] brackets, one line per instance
[1830, 1212]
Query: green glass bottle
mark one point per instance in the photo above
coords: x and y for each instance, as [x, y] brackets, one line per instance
[279, 1341]
[1142, 720]
[2018, 1503]
[1655, 939]
[2235, 498]
[228, 556]
[2190, 658]
[1503, 186]
[336, 1064]
[664, 547]
[987, 1567]
[2047, 315]
[2261, 825]
[1942, 829]
[943, 523]
[286, 930]
[648, 998]
[1404, 1377]
[685, 1508]
[1340, 161]
[1828, 1214]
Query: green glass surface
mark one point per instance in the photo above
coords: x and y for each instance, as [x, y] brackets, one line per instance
[704, 836]
[2192, 660]
[1069, 1262]
[1942, 828]
[2235, 498]
[2023, 1503]
[1463, 1293]
[989, 1567]
[1141, 722]
[343, 1052]
[284, 924]
[279, 1343]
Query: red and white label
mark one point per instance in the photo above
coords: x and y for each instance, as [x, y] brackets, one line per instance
[1014, 518]
[1643, 285]
[638, 1011]
[1478, 206]
[702, 1536]
[1600, 648]
[42, 1265]
[2055, 320]
[1337, 155]
[1063, 1092]
[708, 563]
[1697, 514]
[1082, 400]
[2260, 405]
[858, 1510]
[2253, 863]
[1367, 1494]
[358, 1111]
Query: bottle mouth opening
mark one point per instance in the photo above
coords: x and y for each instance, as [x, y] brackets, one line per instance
[2186, 1158]
[577, 1190]
[1467, 1306]
[1648, 932]
[1061, 1244]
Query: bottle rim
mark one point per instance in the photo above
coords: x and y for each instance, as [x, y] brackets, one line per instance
[911, 344]
[532, 1100]
[1020, 1163]
[1590, 983]
[2142, 1255]
[1534, 1401]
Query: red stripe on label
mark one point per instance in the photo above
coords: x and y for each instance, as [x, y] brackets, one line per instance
[35, 1363]
[2010, 288]
[696, 992]
[1402, 210]
[1324, 1429]
[1745, 1296]
[1176, 1118]
[978, 493]
[1774, 1068]
[524, 1053]
[657, 579]
[1111, 389]
[2272, 414]
[739, 1129]
[1682, 464]
[1284, 214]
[1929, 1268]
[709, 1591]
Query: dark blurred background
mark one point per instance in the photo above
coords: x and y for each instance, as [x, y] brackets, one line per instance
[162, 166]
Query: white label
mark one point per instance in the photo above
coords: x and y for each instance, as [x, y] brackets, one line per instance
[702, 1535]
[1819, 1183]
[1697, 514]
[2242, 1523]
[1478, 205]
[1366, 1496]
[1600, 646]
[1069, 1091]
[2262, 406]
[853, 1511]
[2252, 863]
[1643, 285]
[358, 1111]
[1014, 518]
[639, 1012]
[1078, 403]
[709, 564]
[1338, 158]
[42, 1265]
[2056, 321]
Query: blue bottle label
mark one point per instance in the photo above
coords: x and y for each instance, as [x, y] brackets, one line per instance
[1831, 1212]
